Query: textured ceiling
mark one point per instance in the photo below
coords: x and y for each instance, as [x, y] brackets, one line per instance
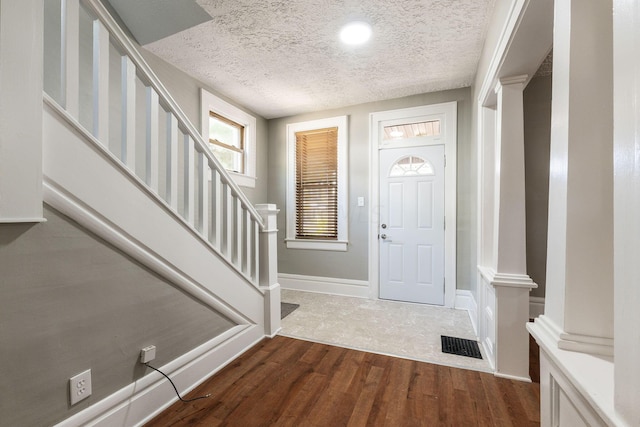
[284, 57]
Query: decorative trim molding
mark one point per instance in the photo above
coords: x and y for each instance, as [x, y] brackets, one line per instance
[596, 346]
[508, 280]
[21, 220]
[536, 307]
[325, 285]
[466, 301]
[586, 344]
[587, 380]
[145, 398]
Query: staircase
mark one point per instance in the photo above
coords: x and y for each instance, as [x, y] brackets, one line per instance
[120, 158]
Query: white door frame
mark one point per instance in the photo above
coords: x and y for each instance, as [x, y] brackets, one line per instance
[447, 112]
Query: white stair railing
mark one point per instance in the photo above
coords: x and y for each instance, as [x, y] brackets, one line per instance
[83, 47]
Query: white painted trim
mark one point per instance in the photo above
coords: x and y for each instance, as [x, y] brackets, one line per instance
[448, 113]
[145, 398]
[512, 377]
[210, 102]
[321, 245]
[587, 380]
[67, 205]
[466, 301]
[324, 285]
[23, 220]
[597, 346]
[497, 59]
[536, 307]
[342, 123]
[507, 280]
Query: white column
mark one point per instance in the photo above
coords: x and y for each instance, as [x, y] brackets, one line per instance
[626, 62]
[511, 283]
[268, 267]
[21, 53]
[579, 291]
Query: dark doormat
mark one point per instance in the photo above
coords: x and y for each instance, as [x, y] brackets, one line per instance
[460, 347]
[286, 308]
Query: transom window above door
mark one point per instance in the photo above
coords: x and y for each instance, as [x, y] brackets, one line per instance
[411, 165]
[411, 130]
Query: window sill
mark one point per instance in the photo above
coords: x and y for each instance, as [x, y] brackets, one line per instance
[321, 245]
[243, 180]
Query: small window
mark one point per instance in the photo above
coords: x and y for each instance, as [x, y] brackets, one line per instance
[317, 216]
[231, 133]
[411, 166]
[412, 130]
[226, 139]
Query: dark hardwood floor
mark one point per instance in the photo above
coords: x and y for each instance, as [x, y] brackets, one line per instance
[288, 382]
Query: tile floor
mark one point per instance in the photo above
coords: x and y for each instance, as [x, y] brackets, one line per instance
[405, 330]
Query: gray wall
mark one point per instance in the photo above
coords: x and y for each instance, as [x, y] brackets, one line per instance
[70, 302]
[353, 264]
[537, 139]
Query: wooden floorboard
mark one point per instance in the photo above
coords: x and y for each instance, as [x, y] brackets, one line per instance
[288, 382]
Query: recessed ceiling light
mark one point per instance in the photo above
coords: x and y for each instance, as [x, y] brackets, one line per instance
[355, 33]
[396, 134]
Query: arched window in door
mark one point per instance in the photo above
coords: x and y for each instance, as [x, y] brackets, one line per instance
[411, 165]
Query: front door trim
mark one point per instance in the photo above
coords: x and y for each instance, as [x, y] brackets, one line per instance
[448, 114]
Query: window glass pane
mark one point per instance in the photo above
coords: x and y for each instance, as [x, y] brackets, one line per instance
[412, 130]
[226, 139]
[226, 132]
[230, 160]
[411, 165]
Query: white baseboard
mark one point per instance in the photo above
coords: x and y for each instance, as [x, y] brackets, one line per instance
[142, 400]
[466, 301]
[536, 307]
[324, 285]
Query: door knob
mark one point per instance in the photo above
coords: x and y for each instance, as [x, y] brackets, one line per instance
[383, 236]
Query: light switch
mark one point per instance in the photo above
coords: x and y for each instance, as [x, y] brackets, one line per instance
[360, 201]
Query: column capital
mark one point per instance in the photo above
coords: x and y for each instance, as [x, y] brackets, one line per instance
[511, 80]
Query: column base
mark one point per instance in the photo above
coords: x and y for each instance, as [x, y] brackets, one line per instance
[503, 316]
[596, 346]
[575, 388]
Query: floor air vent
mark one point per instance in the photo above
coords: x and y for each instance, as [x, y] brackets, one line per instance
[460, 347]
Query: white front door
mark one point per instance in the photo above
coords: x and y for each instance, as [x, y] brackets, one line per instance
[412, 224]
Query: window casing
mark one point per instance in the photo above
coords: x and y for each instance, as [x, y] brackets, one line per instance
[231, 134]
[317, 184]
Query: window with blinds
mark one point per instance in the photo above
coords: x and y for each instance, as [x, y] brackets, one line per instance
[316, 154]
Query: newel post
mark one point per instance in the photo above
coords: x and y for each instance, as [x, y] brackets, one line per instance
[269, 268]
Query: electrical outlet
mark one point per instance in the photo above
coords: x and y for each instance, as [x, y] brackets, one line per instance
[80, 387]
[147, 354]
